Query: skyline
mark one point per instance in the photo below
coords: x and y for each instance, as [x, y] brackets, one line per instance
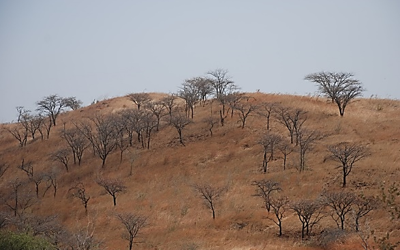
[95, 50]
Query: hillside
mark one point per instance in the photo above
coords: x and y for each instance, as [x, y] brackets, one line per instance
[159, 181]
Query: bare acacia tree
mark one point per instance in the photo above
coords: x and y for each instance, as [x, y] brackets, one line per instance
[62, 156]
[72, 103]
[157, 109]
[20, 133]
[150, 123]
[292, 119]
[78, 191]
[51, 181]
[266, 110]
[210, 195]
[132, 119]
[77, 142]
[37, 179]
[340, 204]
[340, 87]
[347, 154]
[244, 111]
[169, 102]
[103, 137]
[133, 224]
[264, 188]
[191, 95]
[139, 99]
[112, 186]
[286, 149]
[361, 207]
[18, 202]
[211, 122]
[309, 213]
[179, 122]
[233, 99]
[222, 85]
[203, 86]
[306, 138]
[52, 106]
[269, 141]
[279, 206]
[27, 167]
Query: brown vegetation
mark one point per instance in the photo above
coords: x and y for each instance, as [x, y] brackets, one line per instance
[159, 181]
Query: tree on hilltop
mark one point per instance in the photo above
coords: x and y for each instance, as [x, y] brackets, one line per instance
[340, 87]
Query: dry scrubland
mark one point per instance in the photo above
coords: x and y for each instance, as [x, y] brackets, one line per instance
[160, 186]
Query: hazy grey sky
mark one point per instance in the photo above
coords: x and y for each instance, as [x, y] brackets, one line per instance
[96, 49]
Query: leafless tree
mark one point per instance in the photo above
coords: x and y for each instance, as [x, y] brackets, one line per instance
[340, 87]
[210, 195]
[266, 110]
[84, 238]
[190, 94]
[27, 167]
[347, 154]
[3, 168]
[139, 99]
[179, 122]
[78, 191]
[21, 112]
[306, 138]
[102, 137]
[15, 187]
[149, 124]
[122, 143]
[264, 189]
[361, 207]
[133, 122]
[62, 156]
[51, 178]
[222, 85]
[286, 149]
[340, 204]
[52, 106]
[20, 133]
[35, 124]
[19, 201]
[37, 178]
[169, 103]
[292, 119]
[157, 109]
[203, 86]
[220, 81]
[72, 103]
[233, 100]
[279, 206]
[269, 141]
[211, 122]
[77, 142]
[309, 213]
[46, 125]
[112, 186]
[244, 111]
[133, 224]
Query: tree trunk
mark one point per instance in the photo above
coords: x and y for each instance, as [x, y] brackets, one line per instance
[114, 200]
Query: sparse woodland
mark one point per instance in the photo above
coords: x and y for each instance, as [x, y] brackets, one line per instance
[209, 167]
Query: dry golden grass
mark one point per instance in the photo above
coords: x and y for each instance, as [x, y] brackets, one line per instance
[160, 186]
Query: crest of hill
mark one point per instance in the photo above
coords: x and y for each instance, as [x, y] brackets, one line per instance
[160, 186]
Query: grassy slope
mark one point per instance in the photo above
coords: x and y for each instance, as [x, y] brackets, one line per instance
[160, 185]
